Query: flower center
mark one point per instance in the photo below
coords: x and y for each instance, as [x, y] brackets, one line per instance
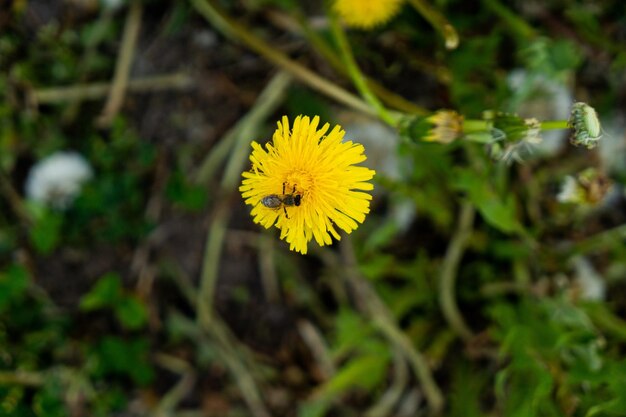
[303, 182]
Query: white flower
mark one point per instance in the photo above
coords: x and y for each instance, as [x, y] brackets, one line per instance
[590, 283]
[57, 179]
[570, 191]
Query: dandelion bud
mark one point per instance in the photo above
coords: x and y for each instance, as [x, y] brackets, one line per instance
[584, 120]
[443, 126]
[447, 126]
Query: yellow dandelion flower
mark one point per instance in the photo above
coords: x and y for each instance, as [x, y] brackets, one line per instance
[366, 14]
[306, 183]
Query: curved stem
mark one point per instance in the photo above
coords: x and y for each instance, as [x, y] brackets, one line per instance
[232, 29]
[416, 360]
[389, 97]
[355, 72]
[447, 279]
[388, 401]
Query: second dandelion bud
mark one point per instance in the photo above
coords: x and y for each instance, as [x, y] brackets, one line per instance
[307, 183]
[584, 120]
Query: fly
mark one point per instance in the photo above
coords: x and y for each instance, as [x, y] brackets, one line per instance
[275, 201]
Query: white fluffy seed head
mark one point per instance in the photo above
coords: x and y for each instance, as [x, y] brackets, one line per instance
[57, 179]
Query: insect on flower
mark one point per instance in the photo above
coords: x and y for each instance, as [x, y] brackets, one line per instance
[584, 120]
[324, 188]
[275, 201]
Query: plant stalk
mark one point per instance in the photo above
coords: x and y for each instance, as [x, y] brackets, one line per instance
[447, 279]
[232, 29]
[355, 73]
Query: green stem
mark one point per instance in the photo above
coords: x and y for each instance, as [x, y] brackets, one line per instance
[400, 379]
[471, 126]
[388, 97]
[232, 29]
[210, 264]
[438, 21]
[172, 399]
[447, 279]
[416, 360]
[355, 72]
[554, 125]
[475, 126]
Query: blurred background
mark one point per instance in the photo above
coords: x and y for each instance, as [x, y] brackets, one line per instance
[134, 282]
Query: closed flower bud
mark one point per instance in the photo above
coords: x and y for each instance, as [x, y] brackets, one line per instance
[587, 130]
[443, 126]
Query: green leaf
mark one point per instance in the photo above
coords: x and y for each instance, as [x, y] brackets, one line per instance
[497, 211]
[313, 408]
[107, 292]
[115, 356]
[131, 312]
[365, 371]
[351, 330]
[500, 214]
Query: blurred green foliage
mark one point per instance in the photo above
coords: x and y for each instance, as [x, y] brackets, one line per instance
[99, 302]
[108, 293]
